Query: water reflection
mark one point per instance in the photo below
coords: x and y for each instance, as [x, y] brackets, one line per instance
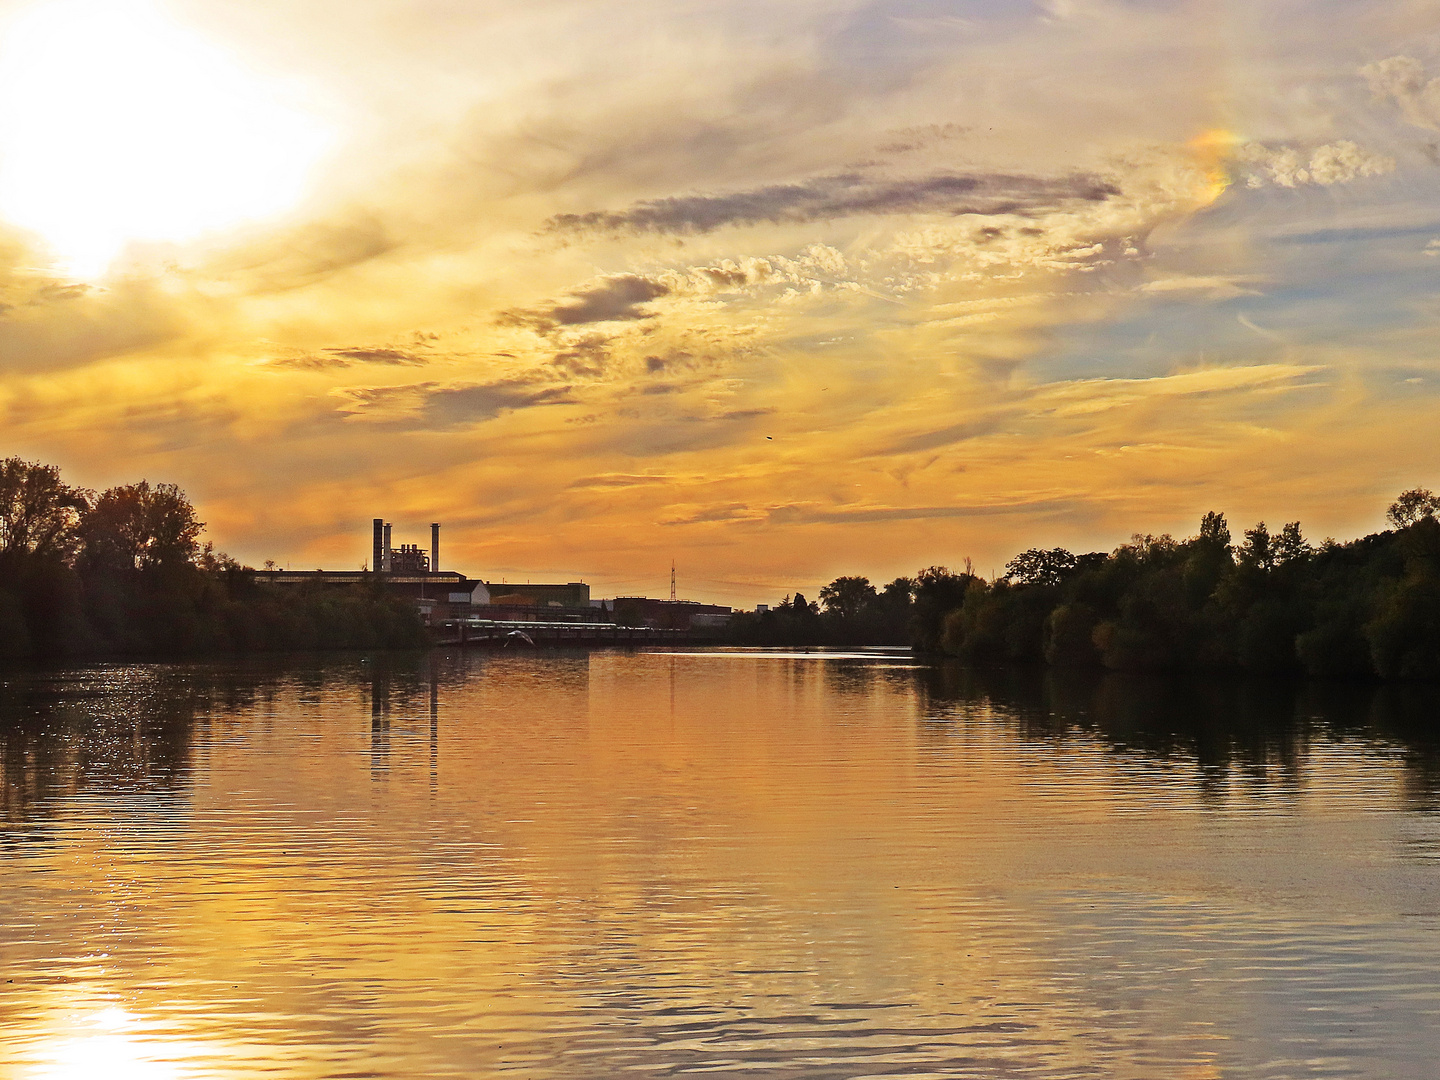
[561, 865]
[1253, 731]
[120, 728]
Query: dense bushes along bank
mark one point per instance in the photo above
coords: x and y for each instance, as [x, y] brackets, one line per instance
[125, 572]
[1270, 603]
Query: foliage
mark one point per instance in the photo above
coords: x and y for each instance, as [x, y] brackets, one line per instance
[1037, 567]
[39, 515]
[126, 572]
[846, 597]
[138, 527]
[1272, 603]
[1412, 506]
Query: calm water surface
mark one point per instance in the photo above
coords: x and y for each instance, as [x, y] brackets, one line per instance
[740, 864]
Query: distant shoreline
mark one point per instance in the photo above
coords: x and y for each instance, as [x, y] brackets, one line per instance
[124, 573]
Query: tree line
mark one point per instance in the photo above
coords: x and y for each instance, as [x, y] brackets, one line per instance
[126, 571]
[1270, 603]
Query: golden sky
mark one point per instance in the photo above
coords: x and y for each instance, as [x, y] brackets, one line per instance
[779, 291]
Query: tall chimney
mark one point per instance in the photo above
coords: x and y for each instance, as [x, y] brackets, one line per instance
[434, 547]
[385, 561]
[377, 554]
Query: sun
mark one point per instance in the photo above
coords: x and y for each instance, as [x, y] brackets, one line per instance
[118, 124]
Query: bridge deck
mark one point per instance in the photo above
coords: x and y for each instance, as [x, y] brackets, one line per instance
[498, 633]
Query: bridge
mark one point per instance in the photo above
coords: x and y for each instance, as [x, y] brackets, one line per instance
[497, 633]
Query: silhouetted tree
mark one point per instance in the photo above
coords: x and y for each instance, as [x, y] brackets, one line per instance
[1412, 506]
[1257, 550]
[1037, 567]
[846, 597]
[39, 515]
[938, 592]
[126, 573]
[1290, 546]
[139, 527]
[1274, 603]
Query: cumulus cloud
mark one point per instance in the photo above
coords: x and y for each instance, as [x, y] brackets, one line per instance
[840, 196]
[1403, 79]
[1334, 163]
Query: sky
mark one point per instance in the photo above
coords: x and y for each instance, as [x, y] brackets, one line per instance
[776, 291]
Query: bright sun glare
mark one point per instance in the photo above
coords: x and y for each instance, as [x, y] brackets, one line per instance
[107, 1045]
[119, 125]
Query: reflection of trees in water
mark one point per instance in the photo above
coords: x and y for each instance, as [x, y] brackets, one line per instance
[862, 677]
[1409, 714]
[143, 729]
[127, 727]
[1257, 729]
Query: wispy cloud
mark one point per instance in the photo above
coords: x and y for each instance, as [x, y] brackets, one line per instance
[843, 195]
[340, 358]
[436, 407]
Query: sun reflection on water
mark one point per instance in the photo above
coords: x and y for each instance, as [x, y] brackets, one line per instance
[110, 1043]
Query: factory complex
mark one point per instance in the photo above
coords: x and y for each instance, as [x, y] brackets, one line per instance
[448, 599]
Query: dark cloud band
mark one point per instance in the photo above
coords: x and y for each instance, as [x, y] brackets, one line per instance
[844, 195]
[611, 299]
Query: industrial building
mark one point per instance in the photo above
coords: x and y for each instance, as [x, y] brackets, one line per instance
[574, 595]
[669, 614]
[444, 596]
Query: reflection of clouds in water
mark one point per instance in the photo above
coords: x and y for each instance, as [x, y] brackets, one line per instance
[702, 862]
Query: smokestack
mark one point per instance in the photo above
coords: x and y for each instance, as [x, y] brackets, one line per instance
[377, 554]
[434, 547]
[385, 561]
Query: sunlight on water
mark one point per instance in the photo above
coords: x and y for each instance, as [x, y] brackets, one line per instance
[103, 1042]
[750, 864]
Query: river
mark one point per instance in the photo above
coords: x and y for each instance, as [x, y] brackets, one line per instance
[741, 863]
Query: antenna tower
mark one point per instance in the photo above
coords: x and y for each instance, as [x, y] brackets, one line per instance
[672, 581]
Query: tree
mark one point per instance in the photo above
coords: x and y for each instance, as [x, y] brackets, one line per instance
[39, 515]
[847, 596]
[1257, 550]
[1145, 548]
[800, 606]
[1040, 567]
[938, 592]
[1214, 531]
[1290, 546]
[1412, 506]
[899, 593]
[139, 527]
